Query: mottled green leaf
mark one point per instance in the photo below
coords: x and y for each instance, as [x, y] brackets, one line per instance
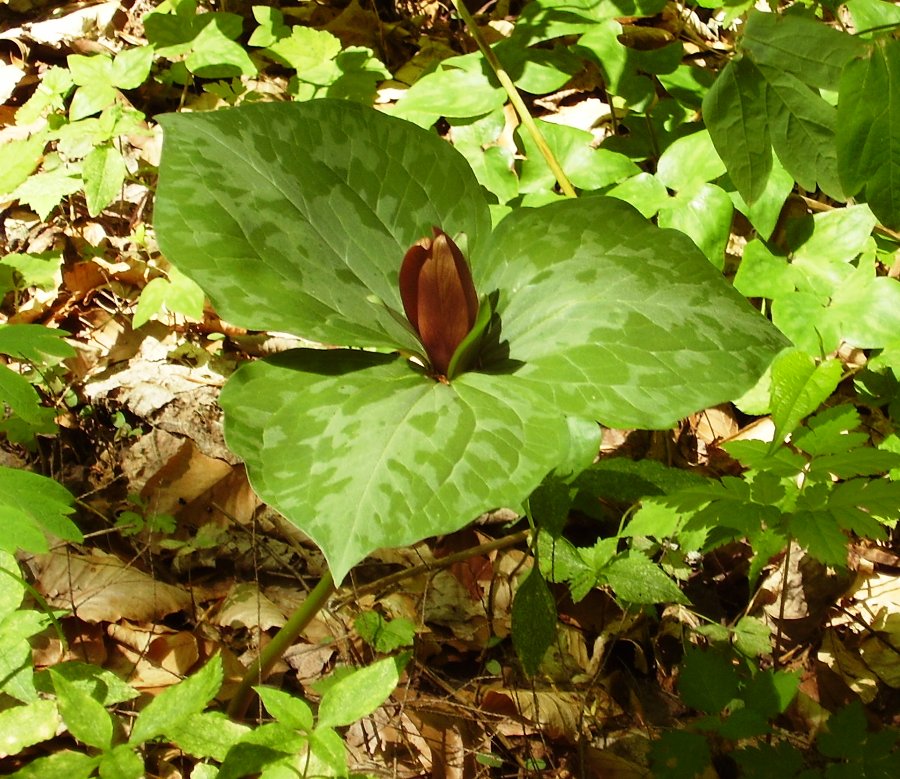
[363, 451]
[293, 216]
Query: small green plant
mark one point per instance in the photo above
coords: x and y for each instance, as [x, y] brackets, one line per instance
[586, 312]
[35, 349]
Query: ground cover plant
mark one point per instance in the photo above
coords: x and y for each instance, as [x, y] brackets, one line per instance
[619, 278]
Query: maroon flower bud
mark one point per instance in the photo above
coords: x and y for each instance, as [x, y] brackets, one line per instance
[438, 296]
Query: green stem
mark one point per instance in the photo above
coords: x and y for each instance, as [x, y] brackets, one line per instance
[283, 639]
[516, 99]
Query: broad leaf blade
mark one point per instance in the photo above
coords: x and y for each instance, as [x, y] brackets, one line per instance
[734, 110]
[868, 130]
[362, 451]
[610, 318]
[295, 217]
[801, 46]
[801, 125]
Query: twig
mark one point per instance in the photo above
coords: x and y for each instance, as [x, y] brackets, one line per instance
[516, 99]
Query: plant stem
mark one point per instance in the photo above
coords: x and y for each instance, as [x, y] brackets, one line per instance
[516, 99]
[283, 639]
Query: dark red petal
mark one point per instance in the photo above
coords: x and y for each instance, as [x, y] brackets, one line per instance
[410, 269]
[445, 315]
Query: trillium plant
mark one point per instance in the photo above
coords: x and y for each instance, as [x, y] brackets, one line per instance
[461, 362]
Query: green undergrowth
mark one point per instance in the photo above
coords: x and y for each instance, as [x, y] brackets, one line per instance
[774, 159]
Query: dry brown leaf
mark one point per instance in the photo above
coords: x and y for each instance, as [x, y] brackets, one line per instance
[153, 656]
[245, 606]
[99, 587]
[557, 714]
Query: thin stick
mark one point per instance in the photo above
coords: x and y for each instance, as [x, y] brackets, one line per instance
[283, 639]
[516, 99]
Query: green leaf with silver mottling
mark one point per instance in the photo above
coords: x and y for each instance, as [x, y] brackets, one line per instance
[292, 216]
[609, 317]
[599, 315]
[363, 451]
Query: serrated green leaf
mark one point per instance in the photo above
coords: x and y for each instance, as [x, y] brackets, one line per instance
[121, 762]
[654, 519]
[680, 754]
[858, 462]
[635, 578]
[799, 386]
[549, 505]
[65, 764]
[752, 637]
[769, 692]
[23, 726]
[561, 561]
[767, 760]
[627, 481]
[533, 621]
[12, 586]
[103, 686]
[708, 681]
[264, 747]
[830, 431]
[35, 343]
[384, 635]
[31, 505]
[24, 402]
[207, 734]
[288, 709]
[176, 293]
[18, 159]
[820, 535]
[358, 694]
[846, 733]
[857, 501]
[43, 191]
[216, 54]
[86, 719]
[178, 702]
